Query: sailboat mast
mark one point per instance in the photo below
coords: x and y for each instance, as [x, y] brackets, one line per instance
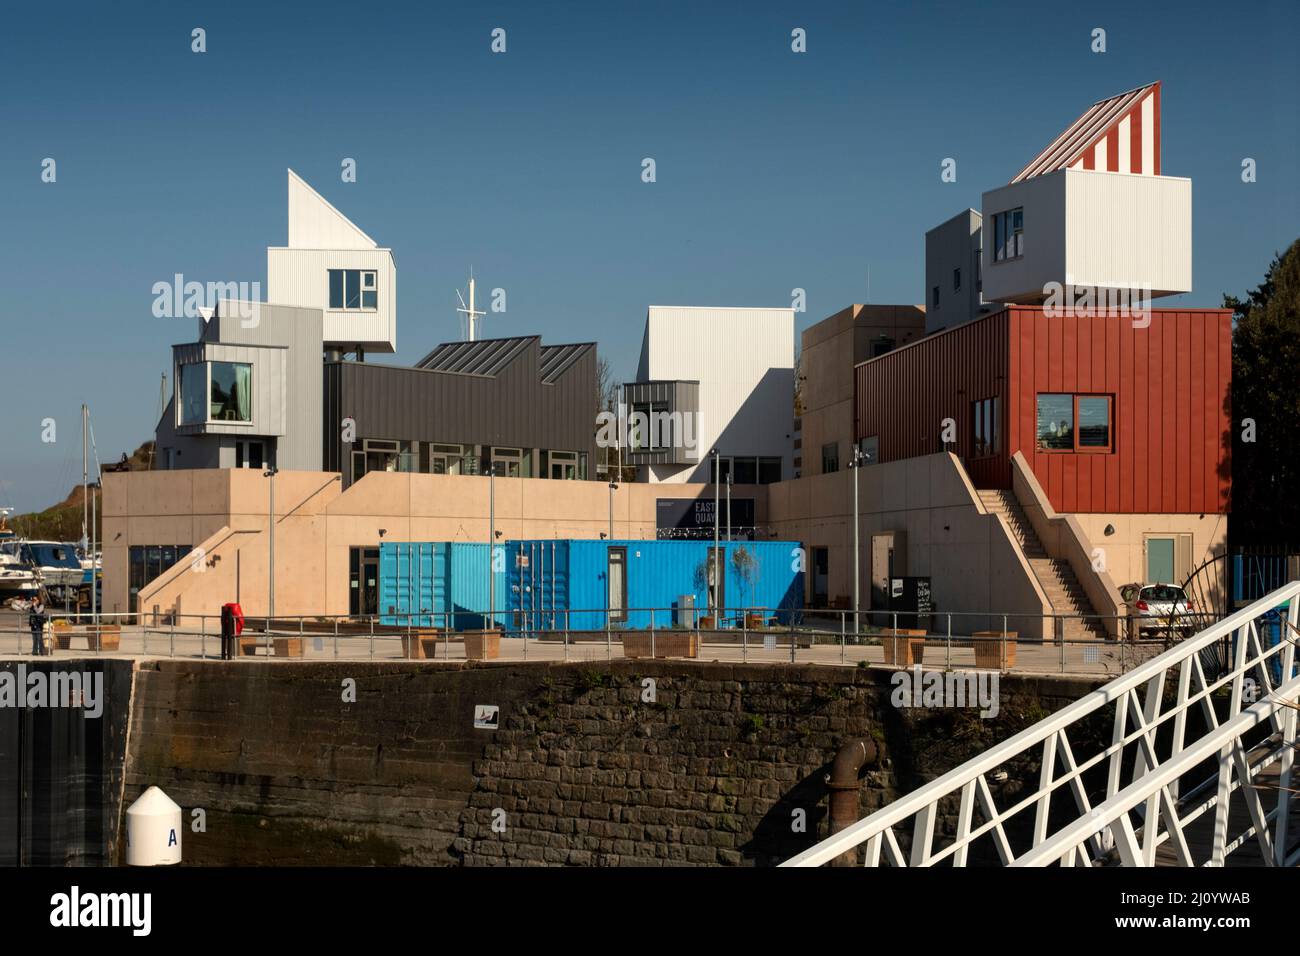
[85, 476]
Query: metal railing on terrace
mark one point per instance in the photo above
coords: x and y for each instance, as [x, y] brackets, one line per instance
[949, 640]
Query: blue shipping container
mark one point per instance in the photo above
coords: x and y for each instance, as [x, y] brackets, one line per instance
[569, 583]
[438, 584]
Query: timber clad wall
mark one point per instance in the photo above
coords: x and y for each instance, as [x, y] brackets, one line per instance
[1169, 382]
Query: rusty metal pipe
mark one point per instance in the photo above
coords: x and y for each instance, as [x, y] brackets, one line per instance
[844, 786]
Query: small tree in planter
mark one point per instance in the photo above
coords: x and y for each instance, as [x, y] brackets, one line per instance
[745, 564]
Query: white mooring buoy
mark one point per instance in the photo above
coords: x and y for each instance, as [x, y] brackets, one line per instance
[153, 830]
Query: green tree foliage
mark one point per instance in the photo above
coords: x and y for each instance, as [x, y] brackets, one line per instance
[1266, 389]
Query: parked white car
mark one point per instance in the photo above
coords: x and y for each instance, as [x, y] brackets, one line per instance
[1160, 607]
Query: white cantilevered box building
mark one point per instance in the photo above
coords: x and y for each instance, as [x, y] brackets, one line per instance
[724, 379]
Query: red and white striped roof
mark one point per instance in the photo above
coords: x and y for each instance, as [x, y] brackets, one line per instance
[1116, 135]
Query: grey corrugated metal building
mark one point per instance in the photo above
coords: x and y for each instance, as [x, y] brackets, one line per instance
[527, 407]
[248, 392]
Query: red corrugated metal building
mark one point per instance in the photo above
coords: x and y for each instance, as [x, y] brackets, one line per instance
[1112, 418]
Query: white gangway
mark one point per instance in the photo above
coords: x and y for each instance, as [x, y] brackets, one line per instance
[1248, 741]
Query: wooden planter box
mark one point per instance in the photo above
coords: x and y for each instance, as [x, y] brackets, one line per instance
[421, 644]
[61, 634]
[482, 645]
[288, 647]
[988, 649]
[105, 637]
[666, 644]
[903, 647]
[705, 623]
[753, 621]
[248, 646]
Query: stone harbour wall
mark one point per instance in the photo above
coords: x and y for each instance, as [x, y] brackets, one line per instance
[643, 763]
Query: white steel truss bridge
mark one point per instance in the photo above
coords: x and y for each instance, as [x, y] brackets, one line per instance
[1186, 760]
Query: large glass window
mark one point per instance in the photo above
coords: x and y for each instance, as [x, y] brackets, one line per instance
[216, 392]
[354, 289]
[986, 425]
[1008, 234]
[1056, 422]
[830, 457]
[146, 562]
[231, 393]
[1094, 421]
[193, 392]
[1075, 423]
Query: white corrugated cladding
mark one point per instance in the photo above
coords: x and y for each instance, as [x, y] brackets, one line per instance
[744, 362]
[322, 238]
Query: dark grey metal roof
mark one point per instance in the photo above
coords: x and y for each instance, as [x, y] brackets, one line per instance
[556, 359]
[491, 356]
[484, 357]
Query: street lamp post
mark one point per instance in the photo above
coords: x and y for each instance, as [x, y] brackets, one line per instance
[270, 473]
[613, 487]
[728, 506]
[715, 576]
[856, 462]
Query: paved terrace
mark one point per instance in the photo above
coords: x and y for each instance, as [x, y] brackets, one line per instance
[805, 645]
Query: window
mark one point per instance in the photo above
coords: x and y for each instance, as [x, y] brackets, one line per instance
[769, 471]
[1008, 229]
[193, 388]
[146, 562]
[562, 465]
[215, 392]
[446, 459]
[870, 448]
[249, 454]
[956, 280]
[830, 457]
[934, 298]
[987, 427]
[979, 270]
[649, 426]
[1094, 422]
[354, 289]
[882, 345]
[231, 392]
[1074, 423]
[511, 463]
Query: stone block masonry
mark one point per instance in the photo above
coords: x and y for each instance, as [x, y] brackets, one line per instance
[717, 769]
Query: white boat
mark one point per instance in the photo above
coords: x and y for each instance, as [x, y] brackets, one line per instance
[17, 578]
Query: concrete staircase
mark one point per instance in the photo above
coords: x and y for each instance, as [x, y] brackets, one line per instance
[1058, 580]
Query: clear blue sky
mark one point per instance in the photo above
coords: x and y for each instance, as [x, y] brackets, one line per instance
[775, 170]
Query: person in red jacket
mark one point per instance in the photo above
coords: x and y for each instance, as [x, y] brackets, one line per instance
[232, 625]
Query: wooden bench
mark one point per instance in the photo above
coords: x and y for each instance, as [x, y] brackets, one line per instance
[248, 645]
[288, 647]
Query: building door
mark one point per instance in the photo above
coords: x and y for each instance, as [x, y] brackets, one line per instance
[1160, 561]
[821, 577]
[364, 583]
[617, 579]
